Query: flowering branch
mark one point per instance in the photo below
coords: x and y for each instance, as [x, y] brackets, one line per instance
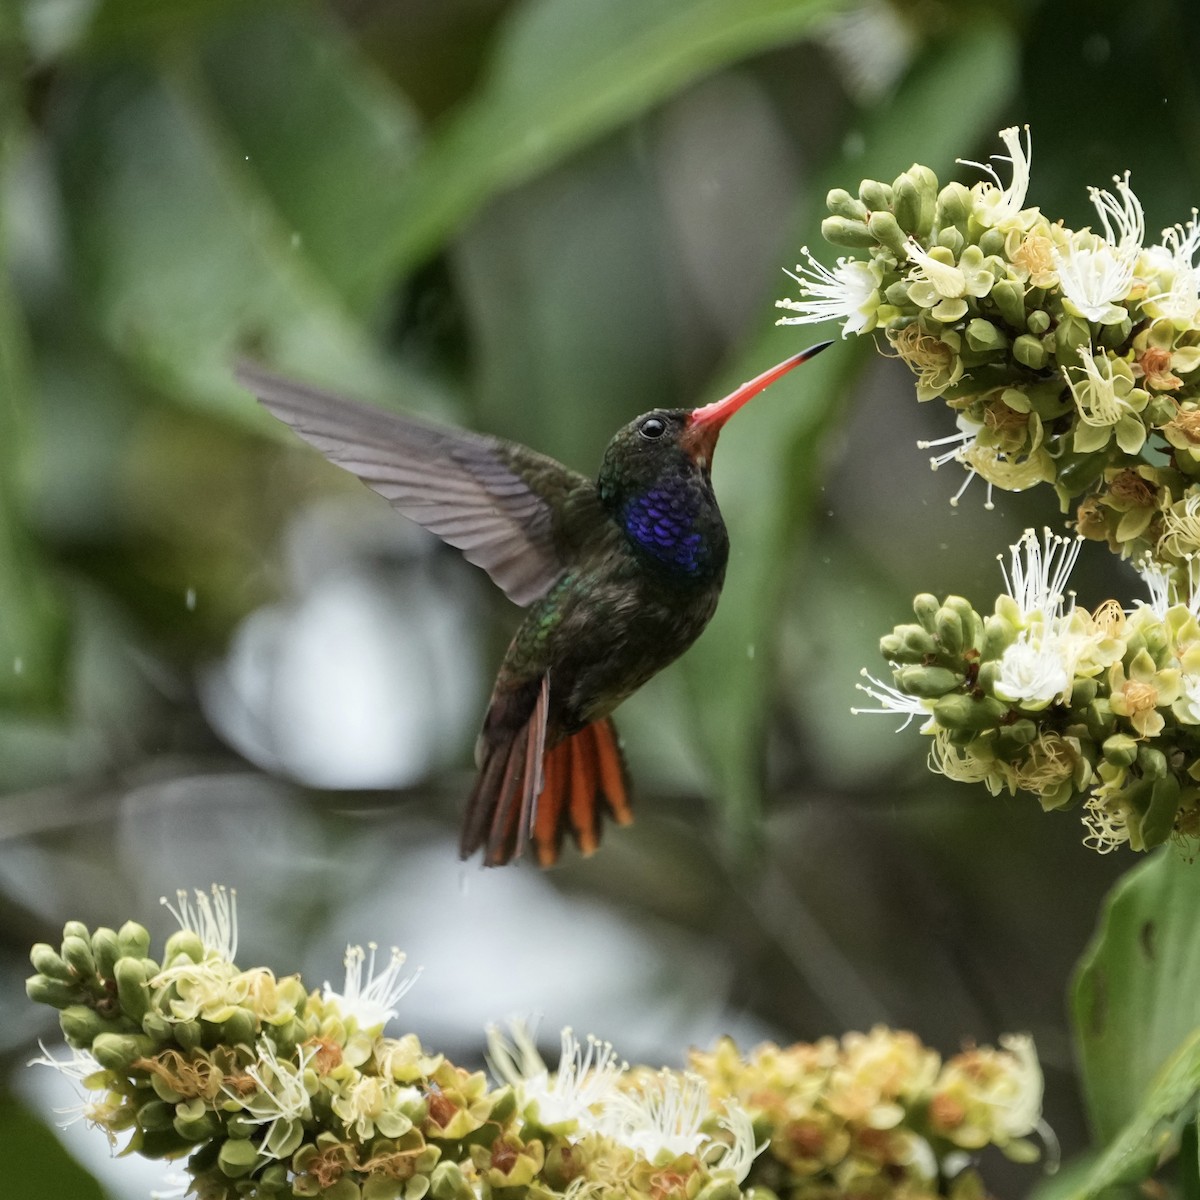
[1068, 357]
[270, 1090]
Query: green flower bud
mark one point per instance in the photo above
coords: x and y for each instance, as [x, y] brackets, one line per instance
[927, 683]
[106, 950]
[992, 243]
[47, 961]
[960, 713]
[81, 1025]
[886, 230]
[875, 195]
[966, 614]
[1083, 692]
[841, 204]
[76, 929]
[1038, 322]
[853, 235]
[890, 646]
[189, 1034]
[926, 607]
[134, 940]
[1112, 337]
[275, 1178]
[163, 1090]
[1009, 296]
[1120, 750]
[1151, 762]
[917, 643]
[998, 635]
[953, 205]
[720, 1189]
[907, 205]
[241, 1028]
[154, 1114]
[983, 337]
[156, 1026]
[950, 239]
[161, 1143]
[448, 1182]
[1159, 410]
[183, 944]
[134, 995]
[1029, 352]
[237, 1157]
[118, 1051]
[77, 954]
[950, 631]
[41, 989]
[1012, 738]
[193, 1122]
[897, 293]
[1072, 334]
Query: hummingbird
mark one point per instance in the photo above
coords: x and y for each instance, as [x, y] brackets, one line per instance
[619, 577]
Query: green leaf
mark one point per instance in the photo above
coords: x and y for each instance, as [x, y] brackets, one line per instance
[1136, 995]
[564, 72]
[272, 82]
[182, 260]
[42, 1168]
[1153, 1132]
[32, 620]
[769, 462]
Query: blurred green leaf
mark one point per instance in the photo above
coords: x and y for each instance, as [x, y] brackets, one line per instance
[32, 622]
[566, 71]
[769, 463]
[1152, 1133]
[182, 260]
[1136, 995]
[40, 1168]
[326, 138]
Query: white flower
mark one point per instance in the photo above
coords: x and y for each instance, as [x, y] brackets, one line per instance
[1036, 579]
[1176, 257]
[280, 1102]
[1035, 670]
[213, 922]
[372, 1105]
[1165, 594]
[1017, 1098]
[78, 1069]
[947, 281]
[847, 293]
[665, 1119]
[1096, 271]
[371, 1003]
[1187, 703]
[962, 442]
[587, 1075]
[891, 700]
[994, 202]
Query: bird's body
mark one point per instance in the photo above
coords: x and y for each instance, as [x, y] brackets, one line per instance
[619, 576]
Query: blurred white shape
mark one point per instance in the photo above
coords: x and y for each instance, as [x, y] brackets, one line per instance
[873, 46]
[366, 679]
[506, 943]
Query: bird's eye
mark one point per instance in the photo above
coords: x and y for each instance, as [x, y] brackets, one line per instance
[652, 427]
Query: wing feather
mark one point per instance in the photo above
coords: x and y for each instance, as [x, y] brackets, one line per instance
[502, 504]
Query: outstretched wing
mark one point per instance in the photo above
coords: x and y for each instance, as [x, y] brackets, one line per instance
[504, 506]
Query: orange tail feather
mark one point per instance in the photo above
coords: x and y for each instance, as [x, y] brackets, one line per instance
[526, 794]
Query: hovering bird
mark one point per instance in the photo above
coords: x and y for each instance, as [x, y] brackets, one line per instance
[619, 576]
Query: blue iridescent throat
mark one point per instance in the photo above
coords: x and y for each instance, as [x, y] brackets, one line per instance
[662, 522]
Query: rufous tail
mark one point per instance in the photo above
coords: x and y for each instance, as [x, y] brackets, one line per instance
[526, 795]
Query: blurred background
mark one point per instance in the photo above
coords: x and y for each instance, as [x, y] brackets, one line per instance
[223, 660]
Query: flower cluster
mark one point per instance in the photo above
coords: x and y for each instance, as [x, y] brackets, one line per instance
[270, 1090]
[880, 1114]
[1068, 705]
[1068, 356]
